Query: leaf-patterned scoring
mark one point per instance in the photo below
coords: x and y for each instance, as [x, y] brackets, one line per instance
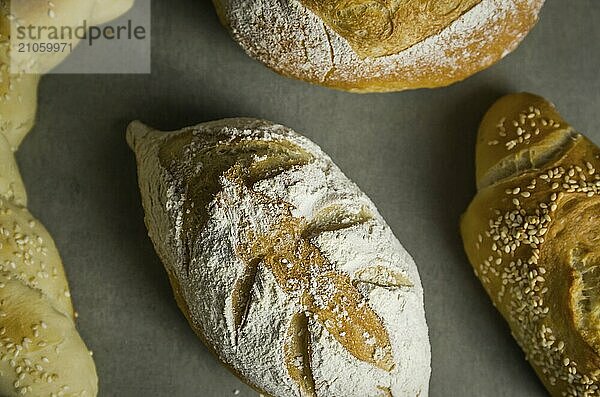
[326, 294]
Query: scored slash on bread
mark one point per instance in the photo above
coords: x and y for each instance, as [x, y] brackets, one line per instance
[532, 234]
[282, 266]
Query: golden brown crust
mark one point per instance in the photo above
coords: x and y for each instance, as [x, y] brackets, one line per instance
[377, 28]
[518, 133]
[532, 237]
[323, 54]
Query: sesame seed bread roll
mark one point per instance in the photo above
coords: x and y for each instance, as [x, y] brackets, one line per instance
[532, 234]
[377, 46]
[41, 353]
[282, 266]
[18, 105]
[18, 91]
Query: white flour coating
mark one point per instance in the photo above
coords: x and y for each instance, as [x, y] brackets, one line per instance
[288, 37]
[207, 270]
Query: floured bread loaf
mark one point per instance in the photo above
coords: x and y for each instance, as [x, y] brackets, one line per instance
[532, 234]
[373, 45]
[280, 263]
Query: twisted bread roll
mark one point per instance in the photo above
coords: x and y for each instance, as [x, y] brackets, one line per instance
[41, 353]
[532, 234]
[373, 45]
[281, 264]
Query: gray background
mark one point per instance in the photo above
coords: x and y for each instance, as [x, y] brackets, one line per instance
[412, 152]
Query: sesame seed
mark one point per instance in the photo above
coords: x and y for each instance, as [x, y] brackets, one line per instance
[521, 283]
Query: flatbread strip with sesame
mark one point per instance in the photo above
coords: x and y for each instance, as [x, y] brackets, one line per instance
[532, 234]
[41, 352]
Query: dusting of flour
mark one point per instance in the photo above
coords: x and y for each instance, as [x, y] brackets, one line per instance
[207, 269]
[288, 37]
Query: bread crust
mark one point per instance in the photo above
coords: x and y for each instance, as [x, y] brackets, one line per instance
[247, 273]
[40, 350]
[375, 29]
[532, 234]
[300, 39]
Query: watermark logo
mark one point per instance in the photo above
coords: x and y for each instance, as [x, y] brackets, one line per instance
[88, 36]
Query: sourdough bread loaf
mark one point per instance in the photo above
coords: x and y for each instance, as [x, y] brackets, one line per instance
[282, 266]
[532, 234]
[372, 45]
